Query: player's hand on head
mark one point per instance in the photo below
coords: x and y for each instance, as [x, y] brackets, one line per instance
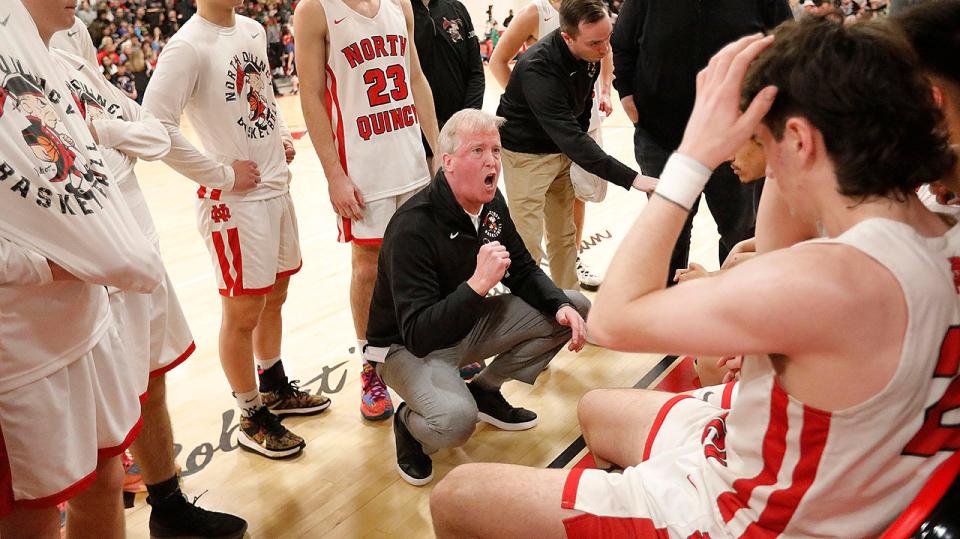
[246, 176]
[567, 316]
[717, 127]
[289, 152]
[493, 259]
[346, 198]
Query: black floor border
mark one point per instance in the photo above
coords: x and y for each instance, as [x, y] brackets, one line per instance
[579, 444]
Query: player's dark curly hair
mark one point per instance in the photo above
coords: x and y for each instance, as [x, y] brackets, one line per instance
[860, 87]
[933, 29]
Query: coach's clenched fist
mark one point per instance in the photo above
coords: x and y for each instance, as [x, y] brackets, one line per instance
[492, 262]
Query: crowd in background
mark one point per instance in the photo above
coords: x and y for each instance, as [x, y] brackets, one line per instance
[130, 34]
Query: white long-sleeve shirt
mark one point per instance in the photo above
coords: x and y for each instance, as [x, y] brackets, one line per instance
[126, 131]
[76, 40]
[88, 230]
[221, 77]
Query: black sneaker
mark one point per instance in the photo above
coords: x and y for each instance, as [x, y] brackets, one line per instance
[174, 516]
[262, 433]
[414, 465]
[495, 410]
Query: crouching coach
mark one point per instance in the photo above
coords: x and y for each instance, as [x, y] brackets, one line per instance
[442, 252]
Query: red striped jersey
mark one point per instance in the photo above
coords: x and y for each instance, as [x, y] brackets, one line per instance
[370, 100]
[795, 470]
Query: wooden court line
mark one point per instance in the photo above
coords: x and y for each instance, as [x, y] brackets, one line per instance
[578, 445]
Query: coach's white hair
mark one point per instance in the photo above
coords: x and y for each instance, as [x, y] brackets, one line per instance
[466, 121]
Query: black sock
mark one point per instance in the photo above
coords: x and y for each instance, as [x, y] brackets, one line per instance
[273, 378]
[161, 491]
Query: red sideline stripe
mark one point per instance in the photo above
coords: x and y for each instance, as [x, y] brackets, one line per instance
[586, 462]
[297, 135]
[683, 377]
[774, 448]
[928, 497]
[180, 359]
[658, 422]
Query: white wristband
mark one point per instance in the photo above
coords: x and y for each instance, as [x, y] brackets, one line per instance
[683, 180]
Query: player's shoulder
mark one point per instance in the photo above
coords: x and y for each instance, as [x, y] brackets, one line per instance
[246, 23]
[311, 16]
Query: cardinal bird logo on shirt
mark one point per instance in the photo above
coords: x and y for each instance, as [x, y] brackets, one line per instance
[453, 29]
[45, 137]
[248, 83]
[492, 225]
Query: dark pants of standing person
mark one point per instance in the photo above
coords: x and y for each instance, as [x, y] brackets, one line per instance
[729, 201]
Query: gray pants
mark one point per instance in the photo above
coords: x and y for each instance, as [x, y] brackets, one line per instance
[440, 410]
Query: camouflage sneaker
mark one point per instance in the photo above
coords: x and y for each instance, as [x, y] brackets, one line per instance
[262, 433]
[289, 399]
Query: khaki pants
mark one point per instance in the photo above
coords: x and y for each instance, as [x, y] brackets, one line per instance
[540, 195]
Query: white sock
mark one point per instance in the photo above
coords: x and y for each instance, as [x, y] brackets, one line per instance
[360, 344]
[265, 364]
[249, 402]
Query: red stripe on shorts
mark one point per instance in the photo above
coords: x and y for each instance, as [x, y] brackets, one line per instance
[223, 262]
[658, 422]
[591, 526]
[569, 499]
[726, 399]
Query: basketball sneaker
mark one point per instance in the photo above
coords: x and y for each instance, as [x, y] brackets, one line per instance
[262, 433]
[414, 465]
[289, 399]
[375, 403]
[588, 279]
[495, 410]
[175, 516]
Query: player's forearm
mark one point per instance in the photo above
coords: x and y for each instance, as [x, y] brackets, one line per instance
[426, 110]
[321, 133]
[499, 67]
[606, 72]
[186, 159]
[145, 138]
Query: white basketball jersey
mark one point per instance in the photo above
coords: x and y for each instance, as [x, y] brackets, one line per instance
[548, 20]
[796, 470]
[370, 100]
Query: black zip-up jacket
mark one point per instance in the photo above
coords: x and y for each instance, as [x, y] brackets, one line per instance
[659, 46]
[421, 299]
[547, 105]
[449, 55]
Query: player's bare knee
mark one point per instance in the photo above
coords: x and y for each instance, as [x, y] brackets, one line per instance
[241, 314]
